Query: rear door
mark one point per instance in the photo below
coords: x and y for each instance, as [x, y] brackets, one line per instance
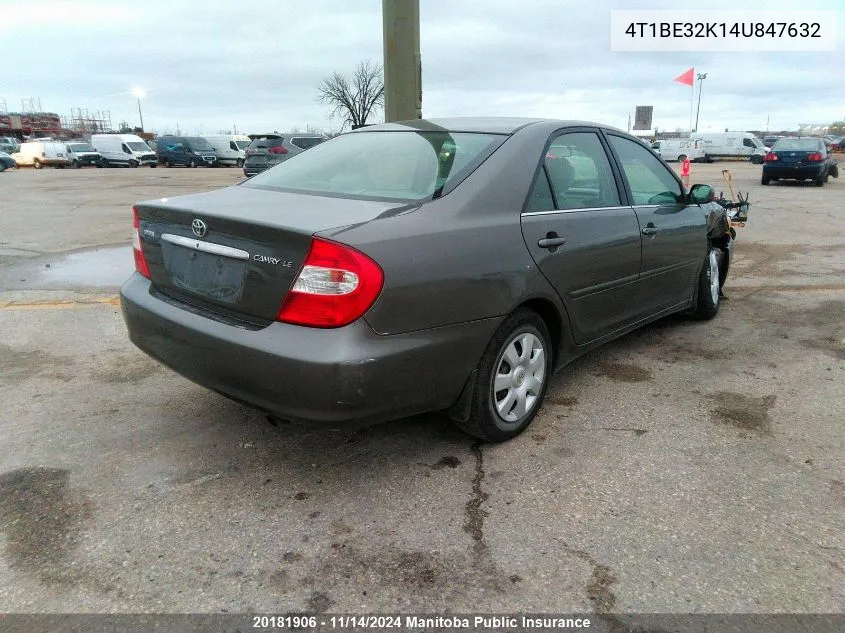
[673, 233]
[582, 236]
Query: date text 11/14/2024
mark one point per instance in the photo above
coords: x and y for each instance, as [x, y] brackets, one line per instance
[305, 622]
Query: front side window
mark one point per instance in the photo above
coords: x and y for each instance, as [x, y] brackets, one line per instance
[580, 173]
[407, 166]
[651, 182]
[747, 142]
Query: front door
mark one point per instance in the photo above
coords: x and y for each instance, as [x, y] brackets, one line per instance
[582, 237]
[673, 232]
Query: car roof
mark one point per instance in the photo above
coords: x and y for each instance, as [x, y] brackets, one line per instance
[489, 125]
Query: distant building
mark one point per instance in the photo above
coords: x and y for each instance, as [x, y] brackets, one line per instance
[23, 124]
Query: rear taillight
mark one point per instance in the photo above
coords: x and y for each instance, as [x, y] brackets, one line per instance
[336, 286]
[814, 158]
[140, 261]
[280, 149]
[770, 157]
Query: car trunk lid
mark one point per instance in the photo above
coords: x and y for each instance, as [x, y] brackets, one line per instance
[237, 251]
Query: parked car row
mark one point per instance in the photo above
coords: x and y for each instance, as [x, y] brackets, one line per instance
[253, 153]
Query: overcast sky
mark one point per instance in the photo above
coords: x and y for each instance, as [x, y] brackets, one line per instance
[209, 64]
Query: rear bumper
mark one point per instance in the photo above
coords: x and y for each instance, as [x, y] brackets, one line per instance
[348, 374]
[793, 171]
[251, 170]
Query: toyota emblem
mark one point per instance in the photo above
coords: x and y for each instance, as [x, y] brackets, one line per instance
[199, 228]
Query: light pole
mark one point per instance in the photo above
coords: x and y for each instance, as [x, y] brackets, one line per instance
[701, 77]
[140, 93]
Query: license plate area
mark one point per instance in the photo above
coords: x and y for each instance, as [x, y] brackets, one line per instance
[215, 277]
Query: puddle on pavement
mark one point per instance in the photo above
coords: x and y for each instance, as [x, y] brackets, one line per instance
[102, 267]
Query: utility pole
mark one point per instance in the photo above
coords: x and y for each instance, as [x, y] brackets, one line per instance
[402, 64]
[701, 78]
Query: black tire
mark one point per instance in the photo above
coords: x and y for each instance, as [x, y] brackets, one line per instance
[819, 182]
[76, 164]
[765, 180]
[2, 166]
[153, 165]
[708, 296]
[485, 421]
[681, 158]
[240, 162]
[707, 159]
[36, 163]
[757, 160]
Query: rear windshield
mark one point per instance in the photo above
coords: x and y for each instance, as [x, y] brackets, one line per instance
[798, 144]
[241, 144]
[198, 142]
[306, 142]
[264, 142]
[406, 166]
[138, 147]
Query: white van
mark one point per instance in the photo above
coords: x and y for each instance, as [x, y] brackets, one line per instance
[123, 149]
[41, 153]
[743, 145]
[229, 148]
[678, 148]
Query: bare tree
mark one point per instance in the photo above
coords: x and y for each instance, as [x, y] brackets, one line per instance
[354, 99]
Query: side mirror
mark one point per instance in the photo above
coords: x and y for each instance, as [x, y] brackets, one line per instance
[701, 194]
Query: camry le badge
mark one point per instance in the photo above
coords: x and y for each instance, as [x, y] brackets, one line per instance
[272, 260]
[199, 228]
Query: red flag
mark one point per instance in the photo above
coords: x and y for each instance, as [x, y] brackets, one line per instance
[686, 78]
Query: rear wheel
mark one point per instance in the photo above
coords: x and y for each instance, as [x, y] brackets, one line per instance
[76, 164]
[682, 158]
[512, 379]
[36, 163]
[765, 180]
[819, 182]
[709, 286]
[193, 163]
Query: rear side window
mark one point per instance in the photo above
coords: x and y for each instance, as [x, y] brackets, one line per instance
[306, 142]
[650, 180]
[580, 172]
[264, 142]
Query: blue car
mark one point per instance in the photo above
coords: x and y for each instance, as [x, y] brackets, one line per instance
[6, 161]
[799, 159]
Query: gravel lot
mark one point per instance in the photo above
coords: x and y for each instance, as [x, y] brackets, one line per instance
[687, 467]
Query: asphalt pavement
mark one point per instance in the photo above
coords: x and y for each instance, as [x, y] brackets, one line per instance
[687, 467]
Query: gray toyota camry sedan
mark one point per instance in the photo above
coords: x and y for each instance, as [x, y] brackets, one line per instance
[434, 265]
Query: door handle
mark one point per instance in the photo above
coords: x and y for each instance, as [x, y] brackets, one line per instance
[650, 230]
[551, 241]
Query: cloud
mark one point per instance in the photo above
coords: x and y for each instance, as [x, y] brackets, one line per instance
[213, 64]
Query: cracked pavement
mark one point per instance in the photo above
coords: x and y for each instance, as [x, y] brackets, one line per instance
[687, 467]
